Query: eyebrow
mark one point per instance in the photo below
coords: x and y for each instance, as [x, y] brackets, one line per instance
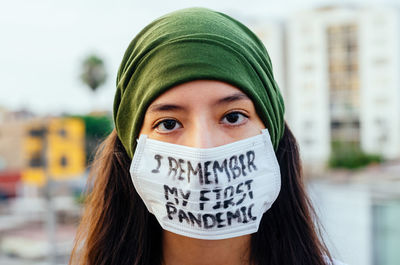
[171, 107]
[165, 107]
[232, 98]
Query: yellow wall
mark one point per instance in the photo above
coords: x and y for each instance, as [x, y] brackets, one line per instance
[62, 149]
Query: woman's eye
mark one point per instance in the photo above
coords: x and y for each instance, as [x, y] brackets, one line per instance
[167, 125]
[234, 118]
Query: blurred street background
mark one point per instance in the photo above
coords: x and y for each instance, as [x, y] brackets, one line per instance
[336, 62]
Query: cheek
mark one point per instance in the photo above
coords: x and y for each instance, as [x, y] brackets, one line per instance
[258, 123]
[252, 127]
[255, 126]
[146, 127]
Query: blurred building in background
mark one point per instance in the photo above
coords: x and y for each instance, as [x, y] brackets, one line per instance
[342, 88]
[11, 160]
[343, 82]
[53, 148]
[40, 157]
[12, 133]
[360, 213]
[272, 34]
[31, 147]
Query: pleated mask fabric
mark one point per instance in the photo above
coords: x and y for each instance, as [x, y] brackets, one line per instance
[187, 45]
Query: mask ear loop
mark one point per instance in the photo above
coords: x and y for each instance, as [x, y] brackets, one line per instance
[137, 156]
[141, 137]
[274, 160]
[265, 130]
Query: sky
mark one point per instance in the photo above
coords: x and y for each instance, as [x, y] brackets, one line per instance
[43, 42]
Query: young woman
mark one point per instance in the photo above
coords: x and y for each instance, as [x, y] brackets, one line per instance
[201, 167]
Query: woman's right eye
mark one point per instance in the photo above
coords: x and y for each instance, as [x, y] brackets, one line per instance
[167, 125]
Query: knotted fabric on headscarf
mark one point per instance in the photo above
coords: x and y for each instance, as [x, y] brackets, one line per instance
[187, 45]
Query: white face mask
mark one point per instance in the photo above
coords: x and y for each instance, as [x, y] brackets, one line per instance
[212, 193]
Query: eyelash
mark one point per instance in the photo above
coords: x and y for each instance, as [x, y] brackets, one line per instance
[157, 124]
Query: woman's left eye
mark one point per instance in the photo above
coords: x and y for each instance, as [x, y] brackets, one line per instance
[234, 118]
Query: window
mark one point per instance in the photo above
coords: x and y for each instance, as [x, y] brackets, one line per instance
[63, 133]
[38, 132]
[36, 160]
[64, 161]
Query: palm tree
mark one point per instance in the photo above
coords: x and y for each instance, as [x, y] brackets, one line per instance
[93, 72]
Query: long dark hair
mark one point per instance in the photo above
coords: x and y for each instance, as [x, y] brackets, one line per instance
[117, 228]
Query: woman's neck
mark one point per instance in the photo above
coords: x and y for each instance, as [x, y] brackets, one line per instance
[181, 250]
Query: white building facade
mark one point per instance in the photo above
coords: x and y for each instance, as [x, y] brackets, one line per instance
[343, 80]
[360, 214]
[272, 34]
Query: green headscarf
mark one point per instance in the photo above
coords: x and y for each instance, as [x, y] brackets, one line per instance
[194, 44]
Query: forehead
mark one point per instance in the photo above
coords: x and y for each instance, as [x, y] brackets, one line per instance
[200, 91]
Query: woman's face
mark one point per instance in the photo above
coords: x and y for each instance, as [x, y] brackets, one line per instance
[202, 114]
